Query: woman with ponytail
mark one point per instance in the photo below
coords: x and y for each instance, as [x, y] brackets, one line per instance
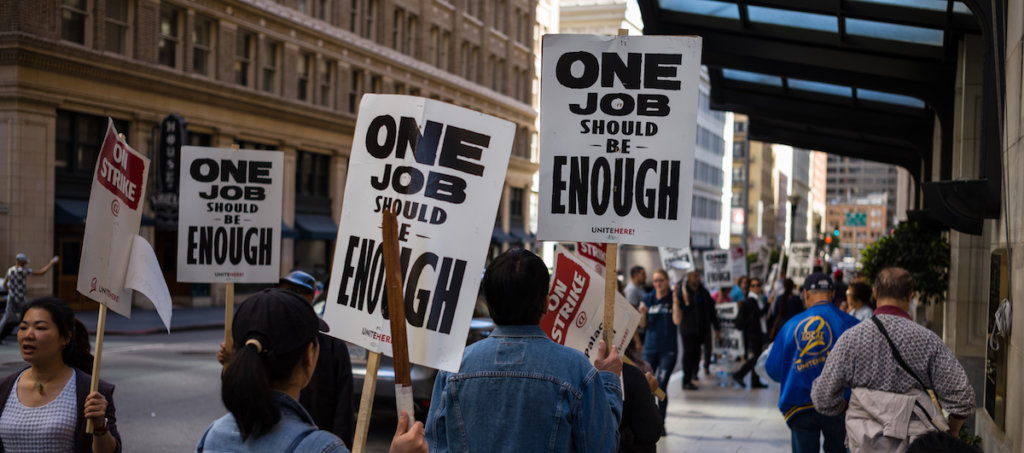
[44, 408]
[275, 353]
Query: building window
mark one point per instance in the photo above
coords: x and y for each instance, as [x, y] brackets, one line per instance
[321, 11]
[370, 27]
[312, 182]
[247, 144]
[243, 57]
[73, 18]
[442, 51]
[304, 6]
[500, 11]
[412, 24]
[515, 202]
[116, 34]
[353, 16]
[396, 28]
[78, 141]
[170, 20]
[356, 91]
[325, 81]
[376, 84]
[202, 45]
[303, 70]
[271, 59]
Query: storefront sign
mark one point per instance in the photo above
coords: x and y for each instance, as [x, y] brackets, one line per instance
[618, 125]
[442, 168]
[229, 227]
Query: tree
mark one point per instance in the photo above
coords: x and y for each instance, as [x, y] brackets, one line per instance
[923, 253]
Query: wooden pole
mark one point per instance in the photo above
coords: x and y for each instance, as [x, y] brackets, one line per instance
[366, 402]
[229, 314]
[611, 286]
[101, 325]
[396, 314]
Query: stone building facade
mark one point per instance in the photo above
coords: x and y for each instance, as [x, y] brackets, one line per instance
[285, 76]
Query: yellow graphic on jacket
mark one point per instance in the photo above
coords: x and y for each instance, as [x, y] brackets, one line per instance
[813, 339]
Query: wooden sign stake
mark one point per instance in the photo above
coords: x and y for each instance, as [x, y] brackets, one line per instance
[611, 286]
[366, 402]
[101, 325]
[229, 303]
[396, 314]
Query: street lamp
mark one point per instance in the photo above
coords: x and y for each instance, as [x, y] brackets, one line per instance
[794, 200]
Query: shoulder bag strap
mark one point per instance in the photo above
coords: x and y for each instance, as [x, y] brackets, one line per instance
[903, 364]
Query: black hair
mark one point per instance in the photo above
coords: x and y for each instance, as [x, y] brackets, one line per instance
[939, 442]
[516, 287]
[635, 270]
[862, 292]
[76, 353]
[246, 384]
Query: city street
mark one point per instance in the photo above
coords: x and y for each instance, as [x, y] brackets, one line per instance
[168, 389]
[168, 392]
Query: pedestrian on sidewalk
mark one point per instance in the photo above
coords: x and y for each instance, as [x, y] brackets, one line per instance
[45, 407]
[797, 358]
[518, 391]
[893, 364]
[660, 348]
[750, 321]
[698, 318]
[859, 301]
[329, 396]
[274, 334]
[785, 307]
[17, 288]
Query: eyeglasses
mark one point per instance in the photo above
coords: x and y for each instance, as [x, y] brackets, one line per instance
[755, 285]
[658, 280]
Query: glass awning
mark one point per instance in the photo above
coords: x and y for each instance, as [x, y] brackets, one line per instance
[847, 93]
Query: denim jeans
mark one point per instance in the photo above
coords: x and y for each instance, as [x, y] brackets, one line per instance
[663, 363]
[807, 427]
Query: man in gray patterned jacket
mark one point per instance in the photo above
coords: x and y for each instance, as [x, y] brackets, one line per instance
[863, 359]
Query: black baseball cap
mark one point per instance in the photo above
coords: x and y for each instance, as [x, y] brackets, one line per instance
[280, 319]
[818, 282]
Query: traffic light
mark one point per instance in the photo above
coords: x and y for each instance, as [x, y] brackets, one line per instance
[828, 240]
[835, 232]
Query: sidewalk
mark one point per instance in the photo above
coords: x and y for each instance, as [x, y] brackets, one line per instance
[145, 322]
[715, 419]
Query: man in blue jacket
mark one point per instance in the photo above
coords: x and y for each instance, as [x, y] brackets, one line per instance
[518, 391]
[796, 360]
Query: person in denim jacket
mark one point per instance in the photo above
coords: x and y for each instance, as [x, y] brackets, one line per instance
[275, 353]
[517, 390]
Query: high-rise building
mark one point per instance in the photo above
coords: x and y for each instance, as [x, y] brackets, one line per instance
[859, 221]
[760, 210]
[850, 179]
[284, 76]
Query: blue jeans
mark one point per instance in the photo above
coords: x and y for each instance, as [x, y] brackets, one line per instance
[807, 427]
[663, 364]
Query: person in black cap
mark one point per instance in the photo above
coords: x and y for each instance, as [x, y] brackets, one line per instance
[797, 358]
[274, 333]
[329, 395]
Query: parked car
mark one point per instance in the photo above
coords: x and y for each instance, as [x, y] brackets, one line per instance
[422, 377]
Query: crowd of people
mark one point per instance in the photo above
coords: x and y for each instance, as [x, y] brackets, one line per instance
[856, 372]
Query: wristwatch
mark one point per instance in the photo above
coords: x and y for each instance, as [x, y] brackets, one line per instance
[100, 430]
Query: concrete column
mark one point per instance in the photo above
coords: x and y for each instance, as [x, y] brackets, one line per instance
[27, 187]
[288, 207]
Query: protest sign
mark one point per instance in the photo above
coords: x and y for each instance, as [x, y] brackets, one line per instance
[730, 343]
[114, 216]
[229, 216]
[801, 261]
[443, 168]
[738, 261]
[676, 261]
[576, 304]
[759, 268]
[594, 253]
[718, 269]
[618, 117]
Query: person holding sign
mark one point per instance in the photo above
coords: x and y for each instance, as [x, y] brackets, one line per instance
[275, 353]
[517, 390]
[45, 406]
[660, 348]
[698, 317]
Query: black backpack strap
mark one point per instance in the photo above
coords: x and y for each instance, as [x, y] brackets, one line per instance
[896, 353]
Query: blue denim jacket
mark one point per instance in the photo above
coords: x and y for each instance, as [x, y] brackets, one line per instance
[295, 432]
[518, 391]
